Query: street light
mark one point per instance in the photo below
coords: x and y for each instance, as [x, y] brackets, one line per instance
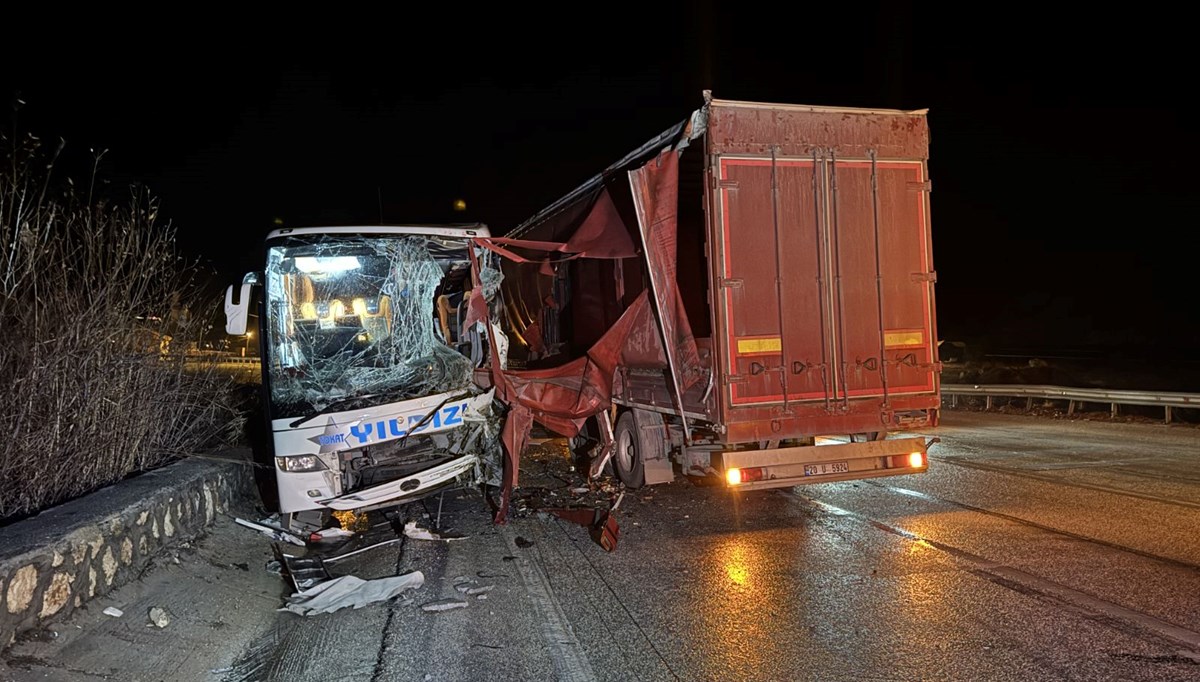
[249, 335]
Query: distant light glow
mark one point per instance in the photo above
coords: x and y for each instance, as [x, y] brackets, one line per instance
[460, 205]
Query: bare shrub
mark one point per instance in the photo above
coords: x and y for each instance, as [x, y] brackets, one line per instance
[94, 324]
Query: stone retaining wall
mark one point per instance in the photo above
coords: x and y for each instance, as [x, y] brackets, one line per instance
[55, 562]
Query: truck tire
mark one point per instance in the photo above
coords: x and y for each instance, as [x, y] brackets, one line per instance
[627, 451]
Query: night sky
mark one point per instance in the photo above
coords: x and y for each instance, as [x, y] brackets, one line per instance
[1064, 187]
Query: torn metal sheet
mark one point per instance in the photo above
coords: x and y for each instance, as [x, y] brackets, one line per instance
[405, 488]
[360, 550]
[601, 524]
[350, 592]
[302, 572]
[273, 532]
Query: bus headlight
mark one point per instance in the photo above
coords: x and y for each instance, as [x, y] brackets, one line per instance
[299, 464]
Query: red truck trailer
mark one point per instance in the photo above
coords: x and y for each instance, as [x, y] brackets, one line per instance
[748, 295]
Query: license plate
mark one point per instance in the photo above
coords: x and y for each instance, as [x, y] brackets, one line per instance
[826, 468]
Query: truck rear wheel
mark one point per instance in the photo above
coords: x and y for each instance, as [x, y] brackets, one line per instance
[628, 451]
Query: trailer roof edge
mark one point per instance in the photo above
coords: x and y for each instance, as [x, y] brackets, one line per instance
[817, 109]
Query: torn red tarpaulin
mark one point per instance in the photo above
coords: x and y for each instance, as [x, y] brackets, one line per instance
[591, 237]
[656, 193]
[594, 237]
[561, 398]
[514, 436]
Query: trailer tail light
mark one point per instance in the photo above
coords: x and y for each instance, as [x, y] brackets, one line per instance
[913, 460]
[739, 476]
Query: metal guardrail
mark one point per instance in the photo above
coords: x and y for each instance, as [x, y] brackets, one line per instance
[1164, 399]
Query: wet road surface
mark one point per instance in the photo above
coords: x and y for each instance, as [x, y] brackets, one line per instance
[1033, 549]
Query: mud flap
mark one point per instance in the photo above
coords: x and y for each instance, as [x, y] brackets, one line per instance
[653, 447]
[659, 470]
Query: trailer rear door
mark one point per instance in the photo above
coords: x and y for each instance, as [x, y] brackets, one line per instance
[882, 272]
[772, 286]
[824, 291]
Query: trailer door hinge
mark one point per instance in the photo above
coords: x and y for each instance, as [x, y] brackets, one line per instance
[930, 276]
[729, 283]
[727, 184]
[926, 186]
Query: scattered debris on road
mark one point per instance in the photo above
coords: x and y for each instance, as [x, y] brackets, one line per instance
[330, 534]
[377, 545]
[444, 605]
[523, 543]
[417, 533]
[159, 617]
[114, 612]
[350, 591]
[303, 572]
[588, 503]
[274, 532]
[468, 587]
[601, 525]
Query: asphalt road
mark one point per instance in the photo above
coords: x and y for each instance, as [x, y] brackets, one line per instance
[1033, 549]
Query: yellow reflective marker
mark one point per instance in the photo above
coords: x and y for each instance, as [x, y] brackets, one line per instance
[764, 345]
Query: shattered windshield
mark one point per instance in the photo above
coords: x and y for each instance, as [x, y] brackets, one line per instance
[355, 320]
